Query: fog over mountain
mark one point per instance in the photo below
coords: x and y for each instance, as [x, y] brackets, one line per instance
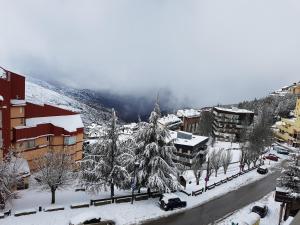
[194, 52]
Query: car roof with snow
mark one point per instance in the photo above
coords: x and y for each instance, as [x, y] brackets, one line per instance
[82, 217]
[168, 196]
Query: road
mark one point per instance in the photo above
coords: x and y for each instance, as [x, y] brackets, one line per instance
[221, 206]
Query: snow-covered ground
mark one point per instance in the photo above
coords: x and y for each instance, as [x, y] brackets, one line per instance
[123, 213]
[271, 218]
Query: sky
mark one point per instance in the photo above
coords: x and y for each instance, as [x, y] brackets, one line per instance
[200, 52]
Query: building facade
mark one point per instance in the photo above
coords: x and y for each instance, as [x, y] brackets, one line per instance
[31, 130]
[188, 146]
[228, 123]
[288, 130]
[190, 120]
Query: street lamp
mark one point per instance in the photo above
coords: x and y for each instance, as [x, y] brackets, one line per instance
[133, 182]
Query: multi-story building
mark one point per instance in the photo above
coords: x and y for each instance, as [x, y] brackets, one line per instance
[31, 129]
[228, 123]
[171, 122]
[187, 146]
[190, 120]
[288, 130]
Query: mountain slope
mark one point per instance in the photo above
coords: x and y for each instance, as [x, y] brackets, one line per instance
[36, 93]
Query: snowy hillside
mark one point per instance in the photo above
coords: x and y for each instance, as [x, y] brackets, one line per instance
[43, 95]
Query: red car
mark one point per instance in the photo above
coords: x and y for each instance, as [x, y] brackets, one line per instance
[272, 157]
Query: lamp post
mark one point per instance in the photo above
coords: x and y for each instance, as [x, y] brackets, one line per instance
[133, 183]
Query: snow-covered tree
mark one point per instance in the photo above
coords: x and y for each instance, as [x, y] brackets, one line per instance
[215, 159]
[105, 165]
[197, 165]
[226, 158]
[157, 169]
[8, 179]
[55, 171]
[290, 178]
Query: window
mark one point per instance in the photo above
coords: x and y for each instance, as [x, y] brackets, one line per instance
[31, 144]
[70, 140]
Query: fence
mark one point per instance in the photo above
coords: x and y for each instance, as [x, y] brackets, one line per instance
[212, 186]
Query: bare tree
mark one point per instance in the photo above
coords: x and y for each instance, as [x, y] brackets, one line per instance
[54, 171]
[8, 179]
[198, 162]
[215, 160]
[226, 159]
[248, 157]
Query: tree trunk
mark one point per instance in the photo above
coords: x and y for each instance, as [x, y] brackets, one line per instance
[112, 190]
[149, 192]
[197, 180]
[216, 173]
[52, 196]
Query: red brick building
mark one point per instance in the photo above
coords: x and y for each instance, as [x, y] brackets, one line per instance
[32, 129]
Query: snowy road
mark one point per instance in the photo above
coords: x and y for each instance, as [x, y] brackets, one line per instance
[220, 207]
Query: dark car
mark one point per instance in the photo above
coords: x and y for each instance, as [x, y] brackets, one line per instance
[283, 151]
[262, 211]
[262, 170]
[272, 157]
[89, 218]
[170, 202]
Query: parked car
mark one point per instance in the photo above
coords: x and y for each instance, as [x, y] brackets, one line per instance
[262, 170]
[262, 211]
[170, 202]
[282, 151]
[272, 157]
[89, 218]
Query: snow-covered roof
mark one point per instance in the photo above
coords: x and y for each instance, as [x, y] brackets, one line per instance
[169, 119]
[233, 110]
[2, 73]
[188, 113]
[70, 122]
[193, 141]
[17, 102]
[82, 217]
[21, 165]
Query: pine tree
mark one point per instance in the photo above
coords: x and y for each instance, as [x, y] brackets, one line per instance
[290, 178]
[157, 169]
[105, 165]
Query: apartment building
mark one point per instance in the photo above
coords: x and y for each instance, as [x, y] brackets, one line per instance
[171, 122]
[190, 120]
[288, 130]
[31, 129]
[188, 146]
[228, 123]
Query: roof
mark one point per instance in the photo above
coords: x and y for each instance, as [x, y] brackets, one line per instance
[169, 119]
[233, 110]
[17, 102]
[69, 122]
[195, 139]
[21, 165]
[188, 113]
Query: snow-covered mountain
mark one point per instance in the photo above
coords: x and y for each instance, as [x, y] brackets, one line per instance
[41, 92]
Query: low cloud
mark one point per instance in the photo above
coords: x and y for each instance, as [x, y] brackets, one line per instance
[201, 52]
